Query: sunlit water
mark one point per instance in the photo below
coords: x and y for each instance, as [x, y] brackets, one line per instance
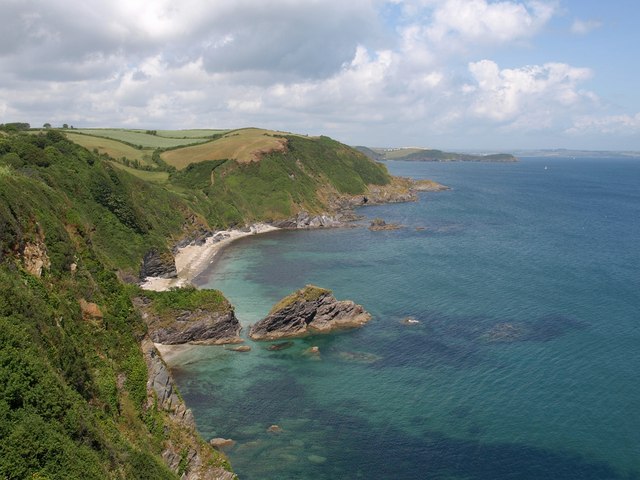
[526, 284]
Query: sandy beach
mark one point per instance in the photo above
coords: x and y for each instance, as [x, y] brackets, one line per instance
[192, 260]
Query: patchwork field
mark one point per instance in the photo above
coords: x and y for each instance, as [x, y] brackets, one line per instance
[140, 137]
[113, 148]
[244, 146]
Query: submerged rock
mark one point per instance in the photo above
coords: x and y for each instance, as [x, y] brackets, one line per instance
[241, 348]
[274, 429]
[279, 346]
[220, 443]
[308, 311]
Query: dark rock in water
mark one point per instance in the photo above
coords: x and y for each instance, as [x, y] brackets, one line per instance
[308, 311]
[409, 321]
[280, 346]
[378, 224]
[158, 264]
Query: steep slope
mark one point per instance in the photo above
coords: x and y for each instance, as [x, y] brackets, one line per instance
[75, 401]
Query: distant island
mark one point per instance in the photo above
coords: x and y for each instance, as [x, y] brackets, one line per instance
[430, 155]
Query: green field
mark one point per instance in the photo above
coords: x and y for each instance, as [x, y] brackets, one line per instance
[113, 148]
[155, 177]
[194, 133]
[139, 137]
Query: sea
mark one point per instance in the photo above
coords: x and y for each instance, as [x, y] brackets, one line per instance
[504, 343]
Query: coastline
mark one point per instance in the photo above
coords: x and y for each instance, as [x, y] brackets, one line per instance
[192, 260]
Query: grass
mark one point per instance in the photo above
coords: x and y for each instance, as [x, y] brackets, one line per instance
[193, 133]
[115, 149]
[244, 146]
[139, 137]
[155, 177]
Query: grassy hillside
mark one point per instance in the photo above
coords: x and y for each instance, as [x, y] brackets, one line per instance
[73, 395]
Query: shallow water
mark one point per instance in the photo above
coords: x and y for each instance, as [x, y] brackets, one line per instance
[524, 361]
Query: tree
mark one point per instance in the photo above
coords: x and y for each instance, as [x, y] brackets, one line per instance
[46, 125]
[64, 125]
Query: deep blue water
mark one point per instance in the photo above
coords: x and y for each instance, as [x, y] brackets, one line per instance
[526, 284]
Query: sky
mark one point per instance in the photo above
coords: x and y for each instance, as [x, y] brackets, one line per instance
[449, 74]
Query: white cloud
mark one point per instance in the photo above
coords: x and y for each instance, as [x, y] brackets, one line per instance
[289, 64]
[505, 95]
[481, 21]
[607, 124]
[583, 27]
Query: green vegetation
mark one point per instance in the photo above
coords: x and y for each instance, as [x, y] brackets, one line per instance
[189, 299]
[146, 175]
[73, 398]
[309, 293]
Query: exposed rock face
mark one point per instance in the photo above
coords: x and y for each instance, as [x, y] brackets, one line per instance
[308, 311]
[90, 311]
[157, 264]
[399, 190]
[199, 326]
[304, 220]
[34, 256]
[201, 461]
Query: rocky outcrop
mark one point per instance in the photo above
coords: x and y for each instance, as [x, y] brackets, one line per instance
[158, 264]
[199, 326]
[305, 220]
[378, 224]
[308, 311]
[35, 258]
[399, 190]
[90, 311]
[184, 451]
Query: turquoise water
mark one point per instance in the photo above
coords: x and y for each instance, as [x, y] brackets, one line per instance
[547, 258]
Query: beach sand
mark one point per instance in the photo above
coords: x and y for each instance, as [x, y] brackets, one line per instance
[192, 260]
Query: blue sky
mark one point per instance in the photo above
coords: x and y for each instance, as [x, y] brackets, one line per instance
[451, 74]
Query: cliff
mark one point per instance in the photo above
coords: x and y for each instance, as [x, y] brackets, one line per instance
[309, 311]
[188, 315]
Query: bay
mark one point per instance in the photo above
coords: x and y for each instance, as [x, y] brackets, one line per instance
[524, 280]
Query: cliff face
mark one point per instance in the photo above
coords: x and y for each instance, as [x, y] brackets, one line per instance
[156, 264]
[199, 326]
[308, 311]
[184, 451]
